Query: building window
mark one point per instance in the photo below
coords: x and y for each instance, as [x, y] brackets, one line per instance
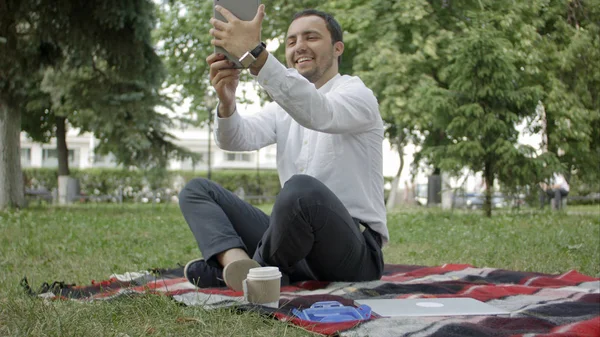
[50, 158]
[246, 157]
[26, 157]
[108, 160]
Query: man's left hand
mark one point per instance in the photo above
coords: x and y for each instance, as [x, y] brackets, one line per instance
[237, 36]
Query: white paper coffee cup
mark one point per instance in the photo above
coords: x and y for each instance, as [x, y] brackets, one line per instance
[262, 286]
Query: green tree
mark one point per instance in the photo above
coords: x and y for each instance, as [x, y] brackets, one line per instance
[485, 99]
[570, 75]
[407, 52]
[184, 44]
[407, 48]
[121, 112]
[397, 45]
[71, 46]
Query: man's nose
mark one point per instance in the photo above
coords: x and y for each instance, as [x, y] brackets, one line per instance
[300, 45]
[300, 50]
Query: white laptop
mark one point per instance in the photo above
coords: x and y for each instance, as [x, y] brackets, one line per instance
[458, 306]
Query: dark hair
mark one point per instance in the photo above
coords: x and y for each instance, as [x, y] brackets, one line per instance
[333, 26]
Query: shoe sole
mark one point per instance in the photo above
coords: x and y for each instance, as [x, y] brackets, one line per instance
[236, 272]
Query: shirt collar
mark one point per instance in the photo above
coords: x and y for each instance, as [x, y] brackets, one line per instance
[329, 85]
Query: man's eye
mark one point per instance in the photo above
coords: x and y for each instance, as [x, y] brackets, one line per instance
[291, 43]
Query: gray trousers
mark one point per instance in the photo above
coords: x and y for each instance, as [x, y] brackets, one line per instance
[556, 194]
[310, 235]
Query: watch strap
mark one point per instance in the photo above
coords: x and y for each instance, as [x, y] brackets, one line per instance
[258, 49]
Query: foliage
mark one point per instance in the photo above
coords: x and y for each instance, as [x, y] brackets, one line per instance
[485, 99]
[121, 112]
[92, 62]
[569, 72]
[262, 183]
[416, 57]
[133, 183]
[184, 44]
[408, 56]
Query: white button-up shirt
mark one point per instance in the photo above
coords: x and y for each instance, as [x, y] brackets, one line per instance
[334, 133]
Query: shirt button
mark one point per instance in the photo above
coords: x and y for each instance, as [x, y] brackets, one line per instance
[305, 142]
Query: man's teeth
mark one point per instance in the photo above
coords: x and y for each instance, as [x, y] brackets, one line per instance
[303, 59]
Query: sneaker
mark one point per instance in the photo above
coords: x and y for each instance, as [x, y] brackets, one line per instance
[236, 272]
[200, 274]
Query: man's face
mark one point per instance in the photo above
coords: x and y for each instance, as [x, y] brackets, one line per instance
[309, 50]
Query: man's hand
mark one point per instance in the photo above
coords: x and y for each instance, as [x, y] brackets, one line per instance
[224, 78]
[237, 36]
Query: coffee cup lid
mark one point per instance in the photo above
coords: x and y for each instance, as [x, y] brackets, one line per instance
[264, 273]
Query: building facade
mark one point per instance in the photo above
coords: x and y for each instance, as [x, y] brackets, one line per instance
[82, 156]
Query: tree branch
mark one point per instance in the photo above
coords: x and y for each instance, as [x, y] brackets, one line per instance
[96, 69]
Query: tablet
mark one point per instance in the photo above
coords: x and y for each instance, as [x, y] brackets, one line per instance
[431, 307]
[243, 10]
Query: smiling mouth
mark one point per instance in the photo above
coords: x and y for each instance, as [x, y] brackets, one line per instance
[303, 60]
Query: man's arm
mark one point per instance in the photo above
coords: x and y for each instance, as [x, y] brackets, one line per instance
[259, 63]
[350, 107]
[248, 133]
[232, 132]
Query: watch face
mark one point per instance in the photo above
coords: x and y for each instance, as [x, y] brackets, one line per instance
[247, 59]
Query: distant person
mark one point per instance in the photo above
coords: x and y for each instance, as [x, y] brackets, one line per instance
[329, 221]
[557, 190]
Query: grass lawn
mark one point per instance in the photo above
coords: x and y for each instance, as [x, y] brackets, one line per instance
[89, 242]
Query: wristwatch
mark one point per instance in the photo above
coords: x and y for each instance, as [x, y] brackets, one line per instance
[250, 56]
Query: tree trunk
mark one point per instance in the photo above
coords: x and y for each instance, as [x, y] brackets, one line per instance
[391, 202]
[447, 192]
[61, 146]
[488, 176]
[11, 177]
[434, 189]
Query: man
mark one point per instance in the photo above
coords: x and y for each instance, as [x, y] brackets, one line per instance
[557, 190]
[328, 222]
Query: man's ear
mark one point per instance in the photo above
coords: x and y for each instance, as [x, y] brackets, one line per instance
[338, 48]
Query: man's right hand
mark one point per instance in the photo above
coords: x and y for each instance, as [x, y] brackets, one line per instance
[224, 78]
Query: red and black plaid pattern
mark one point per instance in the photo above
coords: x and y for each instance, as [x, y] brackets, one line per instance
[542, 305]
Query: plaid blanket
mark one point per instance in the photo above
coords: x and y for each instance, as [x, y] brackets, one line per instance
[540, 304]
